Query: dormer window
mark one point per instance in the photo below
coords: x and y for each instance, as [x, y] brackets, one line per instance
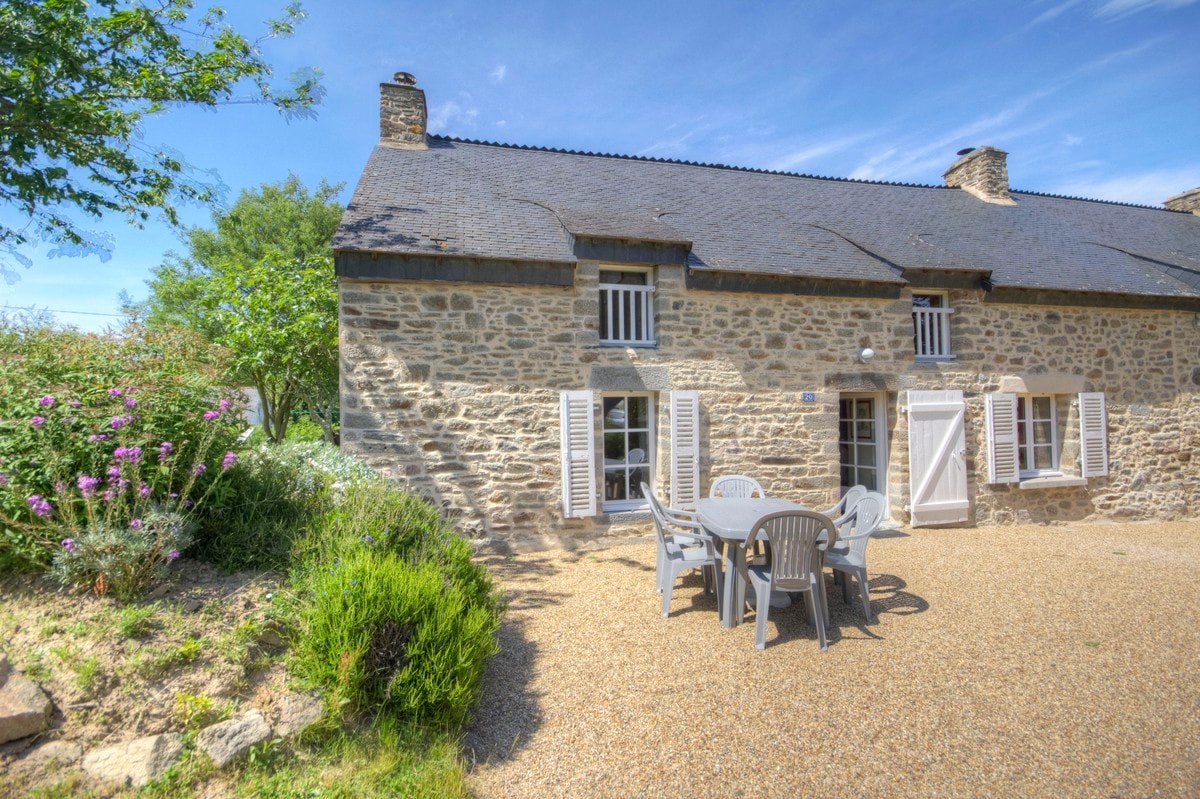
[931, 327]
[627, 307]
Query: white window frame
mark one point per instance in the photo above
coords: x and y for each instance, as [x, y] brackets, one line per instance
[935, 324]
[642, 295]
[1027, 446]
[881, 436]
[620, 505]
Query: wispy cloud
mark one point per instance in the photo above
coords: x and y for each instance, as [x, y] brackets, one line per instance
[440, 116]
[1053, 12]
[1115, 9]
[1147, 188]
[677, 145]
[793, 160]
[498, 74]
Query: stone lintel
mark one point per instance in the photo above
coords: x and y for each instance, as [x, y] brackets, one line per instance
[1049, 383]
[629, 378]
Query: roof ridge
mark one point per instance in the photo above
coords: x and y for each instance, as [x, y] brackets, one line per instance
[650, 159]
[783, 173]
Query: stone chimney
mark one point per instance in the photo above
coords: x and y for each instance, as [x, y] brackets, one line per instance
[1188, 201]
[983, 172]
[402, 114]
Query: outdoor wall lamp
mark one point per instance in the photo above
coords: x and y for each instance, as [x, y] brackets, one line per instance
[866, 354]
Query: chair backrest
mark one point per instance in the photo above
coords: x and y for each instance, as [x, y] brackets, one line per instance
[635, 455]
[668, 522]
[852, 496]
[868, 515]
[793, 537]
[735, 486]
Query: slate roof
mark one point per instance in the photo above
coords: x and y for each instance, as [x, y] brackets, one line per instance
[480, 200]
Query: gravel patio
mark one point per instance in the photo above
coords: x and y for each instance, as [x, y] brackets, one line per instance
[1059, 660]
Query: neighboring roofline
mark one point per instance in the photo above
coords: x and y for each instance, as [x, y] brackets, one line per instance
[781, 173]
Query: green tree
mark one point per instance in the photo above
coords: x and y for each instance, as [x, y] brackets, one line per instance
[260, 283]
[77, 77]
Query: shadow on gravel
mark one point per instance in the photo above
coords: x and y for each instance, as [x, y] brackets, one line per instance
[508, 713]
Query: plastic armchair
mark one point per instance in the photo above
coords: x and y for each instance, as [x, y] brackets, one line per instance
[683, 545]
[794, 565]
[846, 504]
[735, 486]
[852, 560]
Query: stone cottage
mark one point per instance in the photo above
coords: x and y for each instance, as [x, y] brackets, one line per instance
[528, 334]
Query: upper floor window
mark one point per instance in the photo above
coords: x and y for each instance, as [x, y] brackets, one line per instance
[627, 307]
[931, 326]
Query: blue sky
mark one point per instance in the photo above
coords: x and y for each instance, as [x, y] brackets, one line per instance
[1092, 98]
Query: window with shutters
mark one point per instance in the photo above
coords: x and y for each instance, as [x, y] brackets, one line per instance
[1037, 435]
[627, 307]
[628, 449]
[931, 326]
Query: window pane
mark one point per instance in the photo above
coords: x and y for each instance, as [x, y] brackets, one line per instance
[639, 445]
[863, 409]
[864, 431]
[1041, 407]
[845, 452]
[627, 278]
[1043, 457]
[636, 478]
[639, 412]
[866, 454]
[843, 431]
[614, 448]
[614, 413]
[604, 332]
[847, 476]
[1023, 459]
[1022, 408]
[866, 478]
[1041, 433]
[845, 407]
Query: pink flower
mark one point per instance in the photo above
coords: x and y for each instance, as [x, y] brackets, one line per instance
[37, 421]
[230, 459]
[173, 554]
[46, 401]
[135, 524]
[200, 469]
[68, 544]
[87, 484]
[210, 415]
[117, 422]
[130, 402]
[224, 404]
[114, 392]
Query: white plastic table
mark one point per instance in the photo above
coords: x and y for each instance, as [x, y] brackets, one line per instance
[730, 520]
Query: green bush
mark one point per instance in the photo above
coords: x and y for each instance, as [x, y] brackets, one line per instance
[396, 615]
[97, 429]
[124, 560]
[304, 430]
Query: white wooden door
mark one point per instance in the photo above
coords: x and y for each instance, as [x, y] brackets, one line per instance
[936, 458]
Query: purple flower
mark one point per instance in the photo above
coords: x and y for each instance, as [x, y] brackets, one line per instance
[122, 484]
[135, 524]
[173, 495]
[108, 495]
[114, 392]
[173, 554]
[114, 472]
[46, 401]
[117, 422]
[68, 544]
[130, 402]
[200, 469]
[210, 415]
[102, 437]
[75, 404]
[37, 421]
[230, 459]
[87, 484]
[224, 404]
[60, 488]
[144, 490]
[3, 479]
[40, 507]
[164, 450]
[131, 454]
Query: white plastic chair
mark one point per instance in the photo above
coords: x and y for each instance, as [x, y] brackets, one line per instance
[683, 545]
[736, 486]
[794, 565]
[846, 504]
[636, 455]
[851, 560]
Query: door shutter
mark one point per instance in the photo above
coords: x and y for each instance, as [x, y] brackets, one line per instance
[685, 449]
[1093, 435]
[936, 446]
[578, 455]
[1004, 462]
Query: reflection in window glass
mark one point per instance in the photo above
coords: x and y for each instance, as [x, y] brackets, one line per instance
[627, 450]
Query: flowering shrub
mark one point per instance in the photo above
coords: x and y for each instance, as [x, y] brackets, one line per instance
[123, 560]
[98, 432]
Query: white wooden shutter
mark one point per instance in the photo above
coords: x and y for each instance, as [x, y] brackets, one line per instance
[937, 469]
[578, 455]
[685, 449]
[1093, 435]
[1004, 461]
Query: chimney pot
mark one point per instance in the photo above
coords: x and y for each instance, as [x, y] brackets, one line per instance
[1188, 201]
[983, 172]
[402, 113]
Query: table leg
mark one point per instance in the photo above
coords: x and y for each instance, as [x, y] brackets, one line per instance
[729, 552]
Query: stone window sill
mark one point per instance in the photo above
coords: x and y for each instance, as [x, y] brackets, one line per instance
[1057, 481]
[935, 358]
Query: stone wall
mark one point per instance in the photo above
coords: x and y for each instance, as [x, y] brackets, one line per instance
[454, 388]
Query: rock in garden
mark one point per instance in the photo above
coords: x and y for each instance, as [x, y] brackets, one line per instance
[134, 763]
[52, 754]
[295, 713]
[229, 740]
[24, 708]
